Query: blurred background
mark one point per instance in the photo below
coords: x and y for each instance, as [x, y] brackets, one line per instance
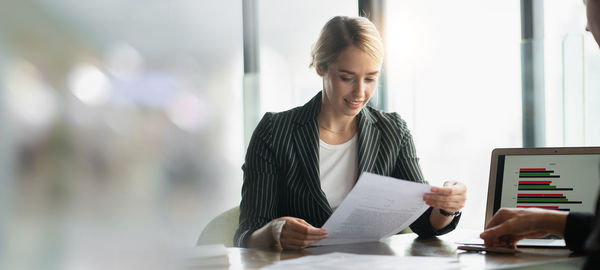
[123, 124]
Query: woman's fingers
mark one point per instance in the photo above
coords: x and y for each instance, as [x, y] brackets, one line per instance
[297, 244]
[309, 230]
[451, 197]
[298, 234]
[294, 242]
[457, 189]
[301, 236]
[303, 221]
[446, 203]
[442, 199]
[447, 207]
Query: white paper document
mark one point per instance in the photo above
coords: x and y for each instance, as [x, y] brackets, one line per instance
[349, 261]
[377, 207]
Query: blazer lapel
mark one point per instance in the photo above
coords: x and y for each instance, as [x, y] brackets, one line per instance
[368, 142]
[306, 142]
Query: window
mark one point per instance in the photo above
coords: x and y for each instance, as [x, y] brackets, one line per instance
[453, 70]
[287, 32]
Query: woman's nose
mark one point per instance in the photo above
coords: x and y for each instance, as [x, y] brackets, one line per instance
[360, 89]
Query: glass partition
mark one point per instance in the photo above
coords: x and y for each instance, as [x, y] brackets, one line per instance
[572, 62]
[124, 125]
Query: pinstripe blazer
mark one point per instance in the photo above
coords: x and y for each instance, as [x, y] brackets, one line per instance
[281, 170]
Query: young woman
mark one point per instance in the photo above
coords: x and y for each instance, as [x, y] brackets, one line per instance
[301, 163]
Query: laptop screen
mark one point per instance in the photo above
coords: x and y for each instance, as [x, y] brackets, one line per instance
[563, 179]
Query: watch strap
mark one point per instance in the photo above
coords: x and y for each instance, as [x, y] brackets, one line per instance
[449, 214]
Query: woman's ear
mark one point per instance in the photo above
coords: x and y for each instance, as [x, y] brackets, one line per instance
[321, 69]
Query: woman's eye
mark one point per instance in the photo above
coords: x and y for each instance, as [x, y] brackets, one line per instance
[370, 79]
[346, 79]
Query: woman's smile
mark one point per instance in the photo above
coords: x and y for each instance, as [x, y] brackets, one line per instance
[354, 104]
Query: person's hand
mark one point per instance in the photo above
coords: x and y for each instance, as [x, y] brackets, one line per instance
[451, 197]
[298, 234]
[509, 225]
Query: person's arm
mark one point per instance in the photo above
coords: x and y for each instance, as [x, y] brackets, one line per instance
[592, 244]
[259, 190]
[424, 228]
[259, 225]
[509, 225]
[439, 221]
[578, 226]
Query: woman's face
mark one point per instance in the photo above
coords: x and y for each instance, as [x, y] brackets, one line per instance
[350, 81]
[593, 18]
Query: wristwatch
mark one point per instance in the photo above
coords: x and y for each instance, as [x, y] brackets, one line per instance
[449, 214]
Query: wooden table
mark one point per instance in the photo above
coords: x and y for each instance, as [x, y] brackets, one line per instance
[411, 245]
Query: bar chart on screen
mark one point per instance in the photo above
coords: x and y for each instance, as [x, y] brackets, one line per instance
[538, 198]
[564, 183]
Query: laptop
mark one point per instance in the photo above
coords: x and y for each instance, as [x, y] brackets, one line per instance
[558, 179]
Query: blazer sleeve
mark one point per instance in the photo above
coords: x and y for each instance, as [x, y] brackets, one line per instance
[259, 190]
[592, 245]
[582, 235]
[577, 230]
[407, 167]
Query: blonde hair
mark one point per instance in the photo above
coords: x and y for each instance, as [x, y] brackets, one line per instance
[341, 32]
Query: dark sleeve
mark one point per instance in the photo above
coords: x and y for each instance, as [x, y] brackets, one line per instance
[592, 245]
[422, 226]
[577, 230]
[259, 190]
[407, 167]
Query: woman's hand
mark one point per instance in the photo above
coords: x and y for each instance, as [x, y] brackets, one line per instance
[286, 233]
[298, 234]
[509, 225]
[451, 197]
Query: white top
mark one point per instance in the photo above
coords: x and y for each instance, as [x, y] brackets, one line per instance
[338, 169]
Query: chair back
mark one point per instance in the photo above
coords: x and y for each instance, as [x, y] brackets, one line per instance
[221, 229]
